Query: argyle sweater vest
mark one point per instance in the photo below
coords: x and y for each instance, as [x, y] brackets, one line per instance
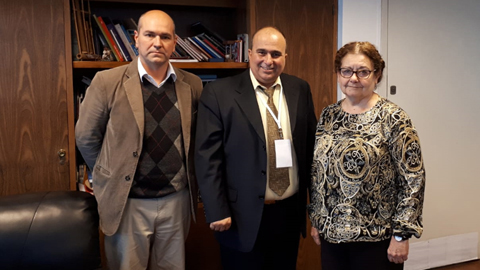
[161, 167]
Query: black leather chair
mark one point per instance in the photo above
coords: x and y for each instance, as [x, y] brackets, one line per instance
[49, 230]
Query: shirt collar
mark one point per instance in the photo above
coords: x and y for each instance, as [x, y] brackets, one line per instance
[256, 84]
[142, 72]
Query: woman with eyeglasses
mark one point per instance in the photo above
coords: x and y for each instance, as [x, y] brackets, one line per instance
[368, 176]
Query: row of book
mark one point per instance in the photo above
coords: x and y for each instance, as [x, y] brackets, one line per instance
[114, 37]
[204, 47]
[99, 37]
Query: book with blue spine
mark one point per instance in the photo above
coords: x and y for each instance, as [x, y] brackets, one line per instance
[206, 47]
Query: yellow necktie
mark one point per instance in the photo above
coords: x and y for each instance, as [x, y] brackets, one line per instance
[279, 179]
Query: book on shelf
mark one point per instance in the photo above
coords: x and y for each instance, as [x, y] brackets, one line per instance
[207, 77]
[213, 41]
[206, 47]
[218, 50]
[117, 39]
[197, 47]
[130, 39]
[181, 43]
[181, 51]
[108, 37]
[125, 41]
[245, 45]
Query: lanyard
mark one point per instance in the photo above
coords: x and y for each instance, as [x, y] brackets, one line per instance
[280, 100]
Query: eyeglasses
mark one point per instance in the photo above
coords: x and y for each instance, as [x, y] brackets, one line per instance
[361, 73]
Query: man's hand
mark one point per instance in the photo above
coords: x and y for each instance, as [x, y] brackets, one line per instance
[398, 251]
[315, 236]
[221, 225]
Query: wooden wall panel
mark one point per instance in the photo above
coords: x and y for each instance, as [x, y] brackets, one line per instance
[33, 103]
[310, 27]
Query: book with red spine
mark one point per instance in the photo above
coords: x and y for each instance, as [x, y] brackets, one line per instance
[214, 47]
[190, 41]
[106, 33]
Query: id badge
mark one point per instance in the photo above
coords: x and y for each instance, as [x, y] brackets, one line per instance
[283, 152]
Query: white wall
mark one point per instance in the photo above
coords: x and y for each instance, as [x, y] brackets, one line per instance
[361, 20]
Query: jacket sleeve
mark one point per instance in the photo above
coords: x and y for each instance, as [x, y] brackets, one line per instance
[209, 156]
[92, 121]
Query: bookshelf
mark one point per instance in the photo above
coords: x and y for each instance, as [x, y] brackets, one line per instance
[182, 65]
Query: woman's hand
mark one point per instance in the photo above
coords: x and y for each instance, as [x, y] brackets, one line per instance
[398, 251]
[315, 236]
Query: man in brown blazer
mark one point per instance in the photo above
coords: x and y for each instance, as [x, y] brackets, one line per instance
[136, 132]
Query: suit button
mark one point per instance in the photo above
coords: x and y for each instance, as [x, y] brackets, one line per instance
[135, 154]
[127, 178]
[264, 148]
[264, 172]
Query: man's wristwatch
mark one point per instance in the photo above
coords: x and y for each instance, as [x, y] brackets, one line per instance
[400, 238]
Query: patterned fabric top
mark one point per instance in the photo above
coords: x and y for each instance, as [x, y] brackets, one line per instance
[368, 176]
[161, 166]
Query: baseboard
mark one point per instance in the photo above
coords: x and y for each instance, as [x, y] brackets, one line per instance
[442, 251]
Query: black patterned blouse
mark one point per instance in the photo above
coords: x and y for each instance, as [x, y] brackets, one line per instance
[368, 177]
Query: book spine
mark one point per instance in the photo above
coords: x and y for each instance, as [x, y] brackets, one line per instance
[206, 47]
[109, 38]
[245, 41]
[125, 41]
[119, 42]
[213, 41]
[189, 50]
[130, 40]
[197, 50]
[214, 48]
[104, 35]
[194, 45]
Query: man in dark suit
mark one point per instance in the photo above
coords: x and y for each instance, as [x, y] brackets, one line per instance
[256, 206]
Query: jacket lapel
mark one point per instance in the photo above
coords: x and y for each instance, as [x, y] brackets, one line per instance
[133, 90]
[247, 102]
[292, 94]
[184, 99]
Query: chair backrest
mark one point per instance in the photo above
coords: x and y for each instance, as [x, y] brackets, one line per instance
[49, 230]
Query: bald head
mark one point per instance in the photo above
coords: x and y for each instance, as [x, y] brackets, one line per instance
[271, 33]
[155, 15]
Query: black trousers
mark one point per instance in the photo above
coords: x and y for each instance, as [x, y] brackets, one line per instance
[277, 242]
[357, 256]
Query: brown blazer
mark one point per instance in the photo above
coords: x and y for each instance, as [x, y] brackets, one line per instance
[109, 134]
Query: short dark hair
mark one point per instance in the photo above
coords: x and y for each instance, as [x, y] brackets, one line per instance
[361, 47]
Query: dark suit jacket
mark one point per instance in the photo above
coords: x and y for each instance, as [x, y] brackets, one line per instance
[231, 159]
